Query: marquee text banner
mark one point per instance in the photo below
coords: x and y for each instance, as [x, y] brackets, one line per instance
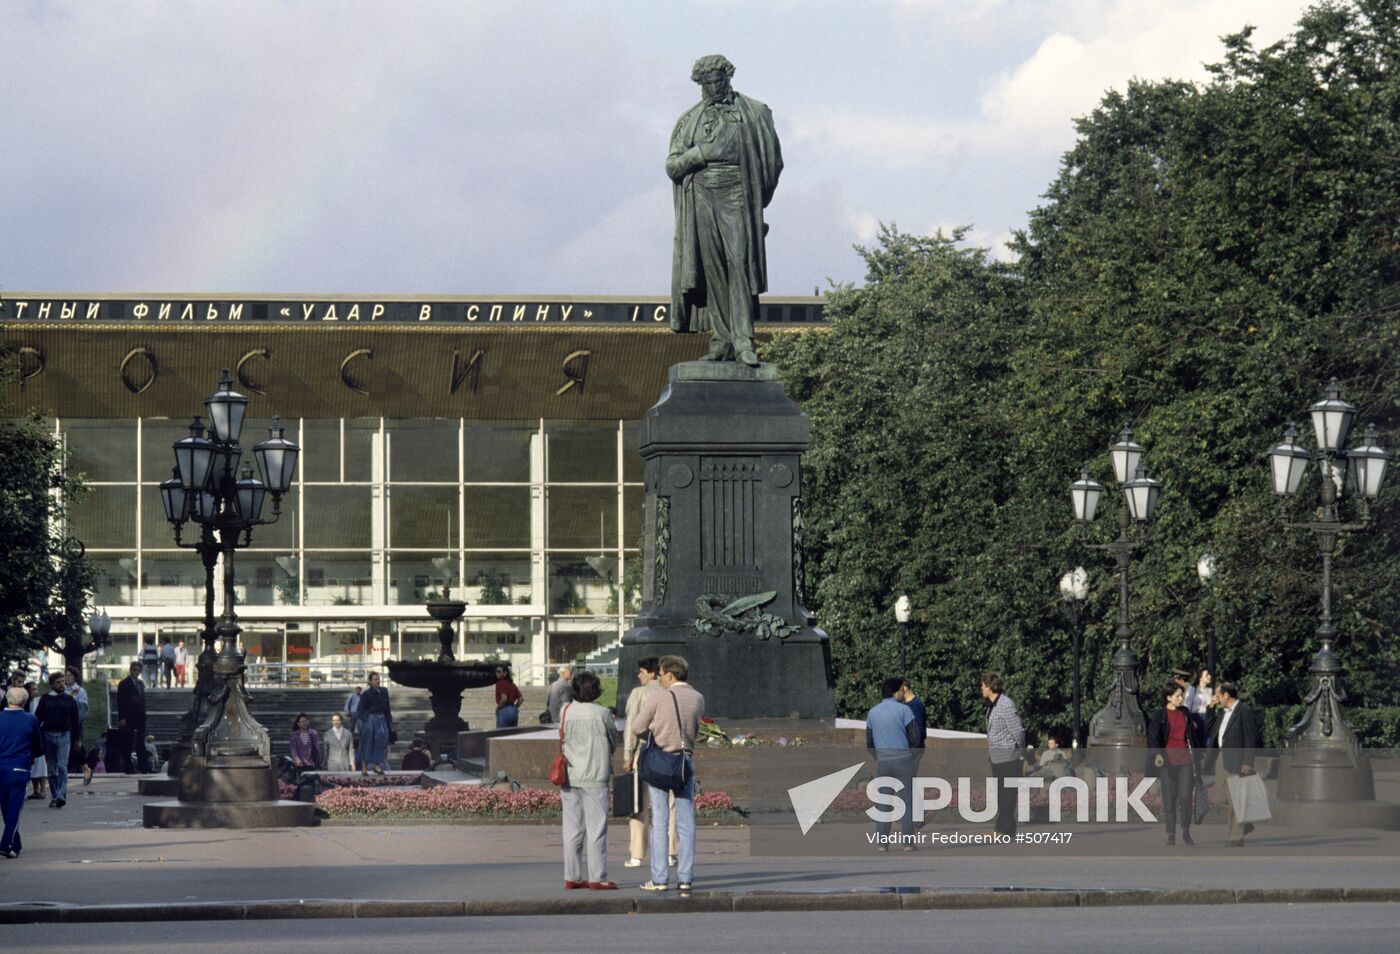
[70, 308]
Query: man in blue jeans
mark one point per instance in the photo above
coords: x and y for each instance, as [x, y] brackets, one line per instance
[892, 733]
[62, 727]
[671, 717]
[20, 744]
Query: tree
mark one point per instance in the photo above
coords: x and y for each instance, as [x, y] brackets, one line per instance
[903, 479]
[1206, 258]
[44, 579]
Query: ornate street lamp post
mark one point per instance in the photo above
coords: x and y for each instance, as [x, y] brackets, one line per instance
[1074, 590]
[1205, 569]
[228, 752]
[1120, 725]
[1324, 776]
[901, 615]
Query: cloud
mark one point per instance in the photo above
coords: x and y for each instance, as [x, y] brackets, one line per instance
[1069, 72]
[1096, 46]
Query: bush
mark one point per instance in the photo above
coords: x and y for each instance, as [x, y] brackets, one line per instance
[1376, 728]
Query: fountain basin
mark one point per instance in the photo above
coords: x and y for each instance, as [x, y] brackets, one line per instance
[445, 682]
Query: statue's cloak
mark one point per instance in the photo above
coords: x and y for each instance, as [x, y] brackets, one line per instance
[760, 164]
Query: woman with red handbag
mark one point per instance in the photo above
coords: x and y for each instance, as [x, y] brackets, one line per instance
[583, 769]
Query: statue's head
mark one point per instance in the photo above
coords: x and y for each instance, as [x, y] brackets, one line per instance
[713, 73]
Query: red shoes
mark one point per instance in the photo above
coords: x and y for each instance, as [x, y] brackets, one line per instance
[602, 886]
[571, 885]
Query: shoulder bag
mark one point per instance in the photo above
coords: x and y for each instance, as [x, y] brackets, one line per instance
[662, 769]
[559, 768]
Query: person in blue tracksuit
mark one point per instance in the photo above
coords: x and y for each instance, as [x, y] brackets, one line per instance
[20, 744]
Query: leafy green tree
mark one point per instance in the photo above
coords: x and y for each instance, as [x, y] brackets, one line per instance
[901, 481]
[1206, 258]
[44, 579]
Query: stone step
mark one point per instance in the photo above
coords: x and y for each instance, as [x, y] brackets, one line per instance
[277, 708]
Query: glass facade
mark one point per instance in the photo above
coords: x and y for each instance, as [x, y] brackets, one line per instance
[536, 525]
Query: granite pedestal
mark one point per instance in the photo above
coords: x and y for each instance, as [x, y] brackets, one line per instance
[723, 472]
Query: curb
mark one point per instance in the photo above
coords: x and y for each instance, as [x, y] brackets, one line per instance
[704, 902]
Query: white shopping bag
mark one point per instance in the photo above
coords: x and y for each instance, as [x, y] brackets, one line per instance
[1249, 799]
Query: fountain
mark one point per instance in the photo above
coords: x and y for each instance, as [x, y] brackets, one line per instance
[445, 678]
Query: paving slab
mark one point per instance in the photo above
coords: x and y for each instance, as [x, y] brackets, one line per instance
[94, 854]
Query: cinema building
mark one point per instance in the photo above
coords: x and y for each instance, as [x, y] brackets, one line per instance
[486, 443]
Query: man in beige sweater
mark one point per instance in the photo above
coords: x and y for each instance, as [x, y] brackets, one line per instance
[672, 718]
[647, 685]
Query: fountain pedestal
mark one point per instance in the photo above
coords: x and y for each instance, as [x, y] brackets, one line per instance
[445, 679]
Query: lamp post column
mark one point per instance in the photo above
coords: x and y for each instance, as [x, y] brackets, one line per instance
[1120, 726]
[1074, 590]
[1325, 779]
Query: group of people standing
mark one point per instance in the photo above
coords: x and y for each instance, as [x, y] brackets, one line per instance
[166, 665]
[365, 729]
[1193, 718]
[665, 711]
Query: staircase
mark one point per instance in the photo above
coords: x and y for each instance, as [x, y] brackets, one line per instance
[605, 655]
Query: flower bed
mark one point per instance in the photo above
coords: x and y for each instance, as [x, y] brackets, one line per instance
[287, 790]
[470, 801]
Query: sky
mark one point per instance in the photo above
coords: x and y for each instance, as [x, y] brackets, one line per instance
[415, 147]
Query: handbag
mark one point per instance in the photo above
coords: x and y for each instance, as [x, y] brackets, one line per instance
[559, 768]
[662, 769]
[1249, 798]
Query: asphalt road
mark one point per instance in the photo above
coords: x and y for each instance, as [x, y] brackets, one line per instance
[1275, 929]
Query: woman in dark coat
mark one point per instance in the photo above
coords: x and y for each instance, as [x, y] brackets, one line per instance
[1173, 738]
[376, 723]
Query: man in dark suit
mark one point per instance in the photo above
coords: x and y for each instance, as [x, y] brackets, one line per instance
[131, 716]
[1235, 732]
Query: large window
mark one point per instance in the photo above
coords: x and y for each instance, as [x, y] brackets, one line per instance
[540, 515]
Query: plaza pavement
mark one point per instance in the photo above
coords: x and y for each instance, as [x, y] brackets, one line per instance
[92, 861]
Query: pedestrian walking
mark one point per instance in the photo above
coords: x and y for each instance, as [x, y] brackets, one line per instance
[892, 734]
[589, 738]
[167, 663]
[58, 721]
[39, 770]
[150, 664]
[671, 719]
[182, 662]
[561, 692]
[1174, 739]
[20, 743]
[376, 727]
[1006, 737]
[340, 746]
[1235, 732]
[77, 755]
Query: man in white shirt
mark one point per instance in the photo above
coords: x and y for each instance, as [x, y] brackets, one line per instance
[1235, 733]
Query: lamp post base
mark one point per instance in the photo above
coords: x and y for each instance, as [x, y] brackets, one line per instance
[230, 792]
[1330, 788]
[1117, 757]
